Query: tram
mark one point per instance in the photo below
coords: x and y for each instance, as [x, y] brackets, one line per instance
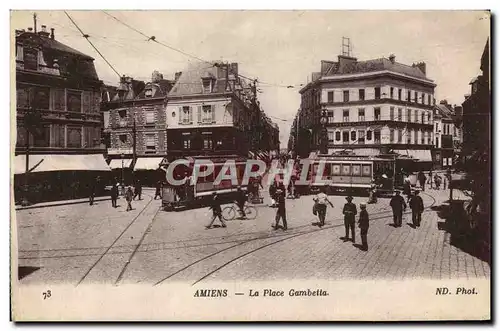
[352, 174]
[200, 193]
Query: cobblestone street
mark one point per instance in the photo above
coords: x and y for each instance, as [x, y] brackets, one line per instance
[87, 244]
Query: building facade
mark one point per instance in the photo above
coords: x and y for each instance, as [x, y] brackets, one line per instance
[58, 118]
[135, 125]
[212, 111]
[372, 107]
[447, 135]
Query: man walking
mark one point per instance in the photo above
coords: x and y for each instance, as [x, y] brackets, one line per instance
[349, 212]
[398, 205]
[217, 211]
[364, 224]
[114, 193]
[129, 196]
[94, 186]
[422, 179]
[138, 189]
[321, 200]
[158, 187]
[417, 207]
[281, 212]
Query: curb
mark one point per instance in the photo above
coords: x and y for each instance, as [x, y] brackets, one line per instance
[57, 204]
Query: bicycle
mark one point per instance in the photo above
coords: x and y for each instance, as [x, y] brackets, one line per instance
[229, 212]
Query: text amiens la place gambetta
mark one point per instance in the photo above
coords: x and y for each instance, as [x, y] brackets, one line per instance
[215, 293]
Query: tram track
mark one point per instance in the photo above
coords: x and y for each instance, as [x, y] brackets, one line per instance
[101, 256]
[287, 236]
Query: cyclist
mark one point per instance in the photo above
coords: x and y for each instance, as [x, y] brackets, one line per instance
[240, 200]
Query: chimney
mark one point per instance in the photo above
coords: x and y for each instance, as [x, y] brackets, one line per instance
[51, 33]
[234, 69]
[392, 58]
[30, 29]
[44, 28]
[43, 32]
[421, 66]
[443, 102]
[178, 75]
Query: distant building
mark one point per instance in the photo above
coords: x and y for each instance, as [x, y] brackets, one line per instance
[212, 111]
[447, 135]
[136, 129]
[372, 107]
[57, 107]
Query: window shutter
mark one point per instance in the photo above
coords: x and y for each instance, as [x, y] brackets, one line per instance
[213, 113]
[199, 114]
[180, 115]
[190, 115]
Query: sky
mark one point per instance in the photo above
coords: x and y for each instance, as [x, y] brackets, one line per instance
[279, 48]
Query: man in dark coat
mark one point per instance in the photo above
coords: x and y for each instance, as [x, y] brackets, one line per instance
[94, 187]
[240, 200]
[138, 189]
[114, 193]
[398, 205]
[272, 192]
[422, 179]
[417, 207]
[349, 212]
[364, 224]
[281, 212]
[158, 187]
[217, 211]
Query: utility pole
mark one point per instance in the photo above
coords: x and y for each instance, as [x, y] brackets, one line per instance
[34, 22]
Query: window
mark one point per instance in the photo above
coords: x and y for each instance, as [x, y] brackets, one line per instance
[391, 135]
[42, 98]
[337, 136]
[57, 135]
[437, 142]
[58, 99]
[122, 113]
[330, 96]
[42, 139]
[150, 116]
[345, 137]
[408, 137]
[22, 97]
[346, 115]
[207, 143]
[74, 101]
[361, 137]
[369, 135]
[422, 117]
[206, 114]
[425, 137]
[150, 142]
[92, 137]
[392, 92]
[376, 136]
[400, 114]
[186, 115]
[400, 92]
[400, 136]
[421, 133]
[429, 118]
[346, 96]
[429, 99]
[207, 85]
[353, 136]
[377, 93]
[391, 114]
[377, 114]
[437, 127]
[408, 97]
[123, 138]
[186, 143]
[330, 116]
[331, 136]
[416, 115]
[416, 97]
[30, 59]
[74, 136]
[423, 98]
[361, 94]
[361, 115]
[87, 102]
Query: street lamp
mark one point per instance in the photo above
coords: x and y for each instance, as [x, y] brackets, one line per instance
[324, 137]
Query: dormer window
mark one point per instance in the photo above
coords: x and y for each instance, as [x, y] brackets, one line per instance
[208, 81]
[30, 59]
[148, 93]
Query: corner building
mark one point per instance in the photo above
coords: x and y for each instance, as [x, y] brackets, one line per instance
[373, 107]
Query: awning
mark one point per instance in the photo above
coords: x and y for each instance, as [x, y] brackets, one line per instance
[148, 163]
[420, 155]
[54, 162]
[117, 163]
